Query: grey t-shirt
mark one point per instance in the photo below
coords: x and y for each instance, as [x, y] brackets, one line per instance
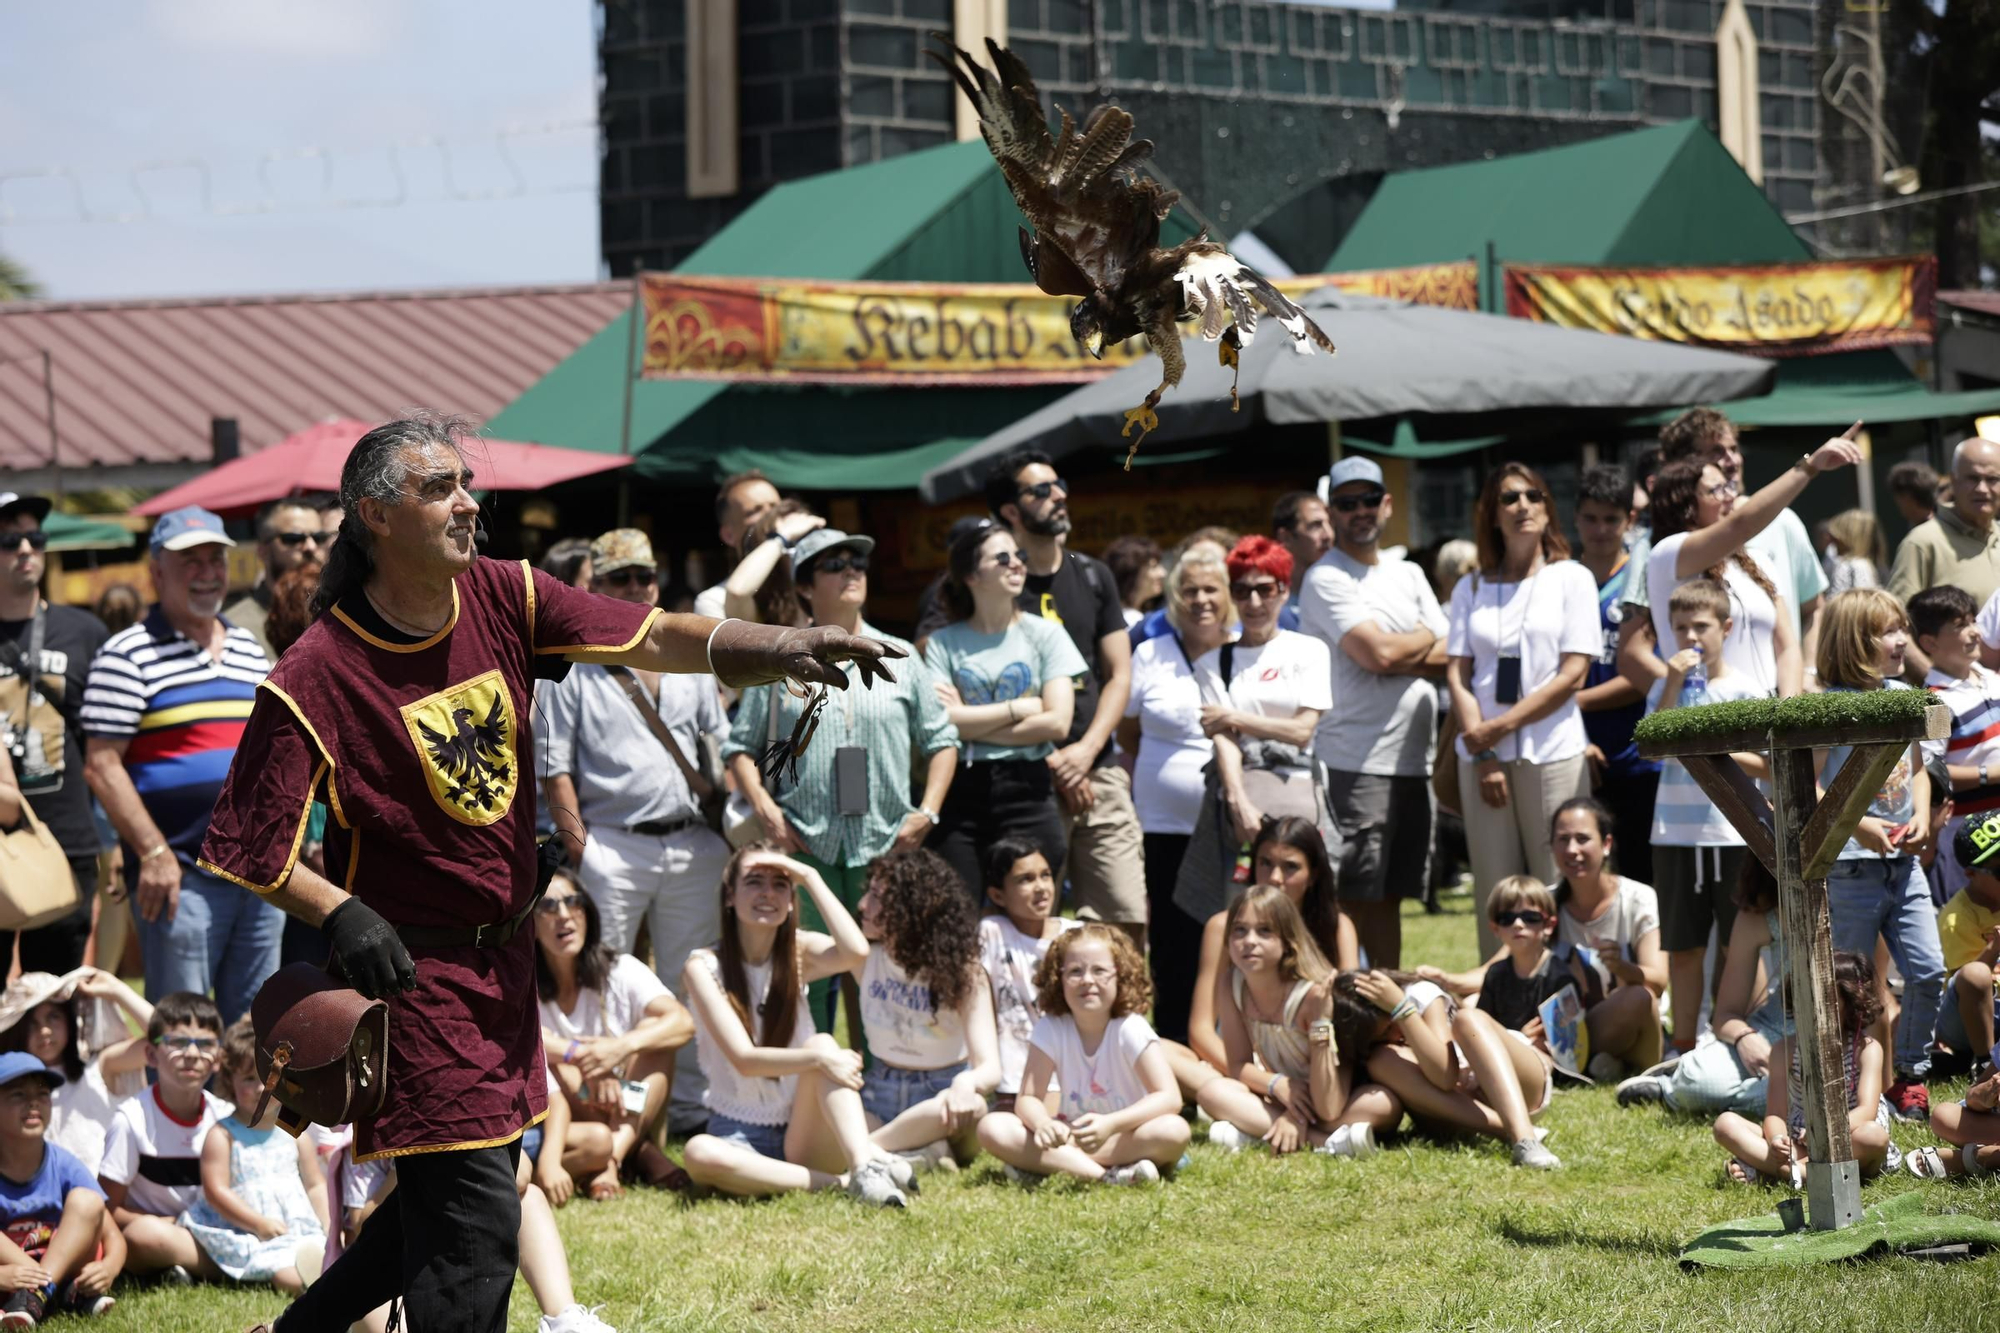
[1634, 910]
[1383, 725]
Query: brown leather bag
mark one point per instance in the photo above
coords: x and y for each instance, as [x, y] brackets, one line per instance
[322, 1048]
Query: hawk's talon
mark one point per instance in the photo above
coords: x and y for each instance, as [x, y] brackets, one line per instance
[1226, 353]
[1147, 420]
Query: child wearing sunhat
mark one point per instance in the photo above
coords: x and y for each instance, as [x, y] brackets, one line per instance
[56, 1252]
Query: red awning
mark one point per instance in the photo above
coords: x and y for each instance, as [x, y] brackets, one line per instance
[311, 461]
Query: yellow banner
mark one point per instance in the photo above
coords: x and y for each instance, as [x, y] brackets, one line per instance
[1776, 309]
[802, 332]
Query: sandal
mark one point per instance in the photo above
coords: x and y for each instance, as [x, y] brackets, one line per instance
[603, 1190]
[1742, 1173]
[1928, 1164]
[649, 1166]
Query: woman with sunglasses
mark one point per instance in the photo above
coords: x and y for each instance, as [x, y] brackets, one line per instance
[1008, 683]
[610, 1029]
[1702, 530]
[1523, 631]
[850, 800]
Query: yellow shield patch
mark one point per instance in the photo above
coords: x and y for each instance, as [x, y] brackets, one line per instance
[465, 737]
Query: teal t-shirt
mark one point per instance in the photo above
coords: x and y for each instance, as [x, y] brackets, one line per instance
[1895, 804]
[993, 668]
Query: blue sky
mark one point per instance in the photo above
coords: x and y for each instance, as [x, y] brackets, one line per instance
[236, 146]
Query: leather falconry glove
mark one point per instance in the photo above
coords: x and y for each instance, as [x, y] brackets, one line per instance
[371, 956]
[741, 654]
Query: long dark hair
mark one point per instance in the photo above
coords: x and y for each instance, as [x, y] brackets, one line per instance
[376, 469]
[1486, 536]
[1355, 1016]
[1320, 908]
[778, 599]
[967, 536]
[16, 1038]
[594, 963]
[780, 1011]
[1676, 493]
[927, 923]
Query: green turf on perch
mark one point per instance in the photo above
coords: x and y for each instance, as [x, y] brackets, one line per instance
[1832, 710]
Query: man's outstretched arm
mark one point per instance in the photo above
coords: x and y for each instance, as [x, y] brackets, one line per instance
[740, 653]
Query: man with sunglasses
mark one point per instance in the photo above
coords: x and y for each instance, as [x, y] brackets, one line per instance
[45, 654]
[633, 824]
[1382, 622]
[288, 534]
[1106, 858]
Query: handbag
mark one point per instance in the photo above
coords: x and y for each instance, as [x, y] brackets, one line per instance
[709, 797]
[36, 886]
[740, 823]
[1444, 773]
[322, 1049]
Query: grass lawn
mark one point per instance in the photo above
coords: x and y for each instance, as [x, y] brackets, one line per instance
[1425, 1235]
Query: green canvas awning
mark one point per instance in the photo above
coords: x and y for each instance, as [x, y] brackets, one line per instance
[1836, 391]
[940, 215]
[1671, 194]
[67, 532]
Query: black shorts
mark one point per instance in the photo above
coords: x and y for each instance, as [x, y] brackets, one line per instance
[1385, 835]
[1697, 889]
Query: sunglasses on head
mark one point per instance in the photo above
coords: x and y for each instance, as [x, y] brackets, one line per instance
[840, 564]
[630, 575]
[1041, 490]
[1347, 504]
[1244, 592]
[1509, 499]
[36, 539]
[1529, 917]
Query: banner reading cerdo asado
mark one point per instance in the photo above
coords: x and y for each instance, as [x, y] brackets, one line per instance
[798, 331]
[1774, 309]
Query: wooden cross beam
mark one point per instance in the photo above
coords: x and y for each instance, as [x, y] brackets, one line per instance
[1798, 841]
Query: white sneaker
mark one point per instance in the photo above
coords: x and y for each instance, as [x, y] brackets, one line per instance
[902, 1172]
[1356, 1141]
[1141, 1172]
[1529, 1152]
[1223, 1135]
[872, 1183]
[576, 1319]
[932, 1157]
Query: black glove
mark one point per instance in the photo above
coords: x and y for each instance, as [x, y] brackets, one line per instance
[742, 654]
[371, 956]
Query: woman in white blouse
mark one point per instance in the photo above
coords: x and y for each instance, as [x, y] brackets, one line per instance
[1524, 629]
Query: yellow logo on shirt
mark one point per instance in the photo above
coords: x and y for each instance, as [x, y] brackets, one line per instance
[465, 737]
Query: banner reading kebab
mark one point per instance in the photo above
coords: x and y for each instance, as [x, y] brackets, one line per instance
[1773, 309]
[804, 332]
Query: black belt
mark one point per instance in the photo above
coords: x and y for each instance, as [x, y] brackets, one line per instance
[664, 828]
[494, 934]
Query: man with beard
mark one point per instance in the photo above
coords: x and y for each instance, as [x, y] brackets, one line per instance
[1382, 622]
[1106, 860]
[288, 535]
[163, 711]
[1959, 544]
[44, 652]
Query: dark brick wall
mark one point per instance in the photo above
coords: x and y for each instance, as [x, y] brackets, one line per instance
[1252, 100]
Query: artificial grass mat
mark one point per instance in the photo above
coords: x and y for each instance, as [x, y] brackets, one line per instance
[1843, 708]
[1913, 1221]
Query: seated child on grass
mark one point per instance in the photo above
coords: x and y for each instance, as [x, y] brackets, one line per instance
[54, 1023]
[1120, 1118]
[57, 1251]
[262, 1215]
[1291, 1088]
[1013, 939]
[1971, 1125]
[152, 1158]
[926, 1012]
[1776, 1150]
[1969, 929]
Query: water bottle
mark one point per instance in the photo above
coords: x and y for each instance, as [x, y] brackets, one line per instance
[1694, 688]
[1241, 873]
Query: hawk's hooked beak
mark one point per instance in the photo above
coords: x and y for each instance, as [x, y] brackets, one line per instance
[1093, 342]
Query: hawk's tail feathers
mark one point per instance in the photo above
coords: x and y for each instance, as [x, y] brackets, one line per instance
[1291, 317]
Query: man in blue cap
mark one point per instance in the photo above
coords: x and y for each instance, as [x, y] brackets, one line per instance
[163, 709]
[1382, 622]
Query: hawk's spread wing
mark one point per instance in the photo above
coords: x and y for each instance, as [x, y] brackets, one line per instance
[1092, 215]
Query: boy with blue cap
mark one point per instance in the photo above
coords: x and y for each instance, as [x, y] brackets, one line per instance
[55, 1250]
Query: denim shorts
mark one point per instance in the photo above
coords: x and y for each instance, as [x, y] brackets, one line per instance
[888, 1091]
[767, 1140]
[531, 1143]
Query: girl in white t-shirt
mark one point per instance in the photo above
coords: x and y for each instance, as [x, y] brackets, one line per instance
[1012, 943]
[1619, 920]
[1288, 1084]
[611, 1029]
[926, 1011]
[784, 1102]
[1119, 1116]
[73, 1025]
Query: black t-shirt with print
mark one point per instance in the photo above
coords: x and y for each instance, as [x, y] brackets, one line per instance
[1513, 1000]
[1082, 597]
[50, 766]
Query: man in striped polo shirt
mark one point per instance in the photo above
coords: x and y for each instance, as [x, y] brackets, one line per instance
[163, 710]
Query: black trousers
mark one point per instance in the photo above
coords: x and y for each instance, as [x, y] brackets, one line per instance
[992, 798]
[1173, 937]
[1630, 798]
[447, 1240]
[57, 948]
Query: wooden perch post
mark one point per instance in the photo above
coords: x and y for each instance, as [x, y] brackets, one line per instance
[1798, 843]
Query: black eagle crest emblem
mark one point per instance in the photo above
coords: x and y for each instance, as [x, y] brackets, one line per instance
[474, 760]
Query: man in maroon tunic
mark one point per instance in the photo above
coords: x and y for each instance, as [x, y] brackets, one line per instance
[405, 707]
